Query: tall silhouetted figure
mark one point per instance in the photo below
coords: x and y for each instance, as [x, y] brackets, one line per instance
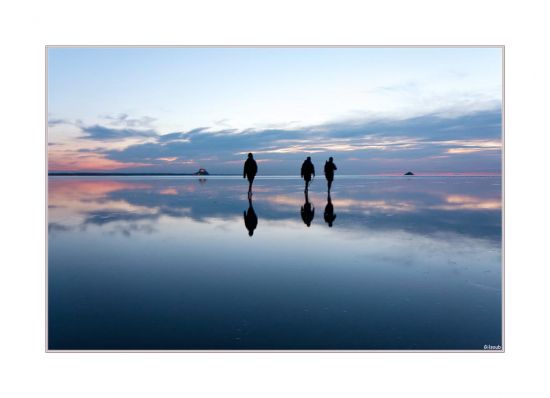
[329, 211]
[329, 172]
[250, 218]
[250, 170]
[307, 211]
[308, 170]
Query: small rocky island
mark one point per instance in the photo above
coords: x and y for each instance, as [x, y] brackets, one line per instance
[201, 172]
[409, 173]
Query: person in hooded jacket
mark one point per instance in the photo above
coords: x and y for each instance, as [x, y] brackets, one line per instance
[308, 170]
[250, 170]
[329, 171]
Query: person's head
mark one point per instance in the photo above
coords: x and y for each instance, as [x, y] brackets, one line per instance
[308, 224]
[330, 224]
[250, 232]
[309, 158]
[250, 155]
[330, 159]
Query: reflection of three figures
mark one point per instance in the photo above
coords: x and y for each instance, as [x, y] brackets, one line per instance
[307, 211]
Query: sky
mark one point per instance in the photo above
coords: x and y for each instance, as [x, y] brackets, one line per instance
[375, 110]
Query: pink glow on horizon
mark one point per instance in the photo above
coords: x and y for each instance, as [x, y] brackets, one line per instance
[90, 164]
[95, 188]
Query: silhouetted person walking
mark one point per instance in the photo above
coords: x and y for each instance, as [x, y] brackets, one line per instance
[329, 211]
[250, 170]
[250, 218]
[307, 171]
[307, 211]
[329, 172]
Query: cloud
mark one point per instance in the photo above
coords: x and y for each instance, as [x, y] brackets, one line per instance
[429, 135]
[102, 133]
[180, 136]
[172, 159]
[100, 217]
[446, 142]
[57, 227]
[454, 151]
[55, 122]
[122, 119]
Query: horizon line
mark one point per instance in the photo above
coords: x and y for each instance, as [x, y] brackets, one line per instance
[419, 174]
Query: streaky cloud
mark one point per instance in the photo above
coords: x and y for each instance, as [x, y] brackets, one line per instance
[448, 142]
[102, 133]
[55, 122]
[123, 119]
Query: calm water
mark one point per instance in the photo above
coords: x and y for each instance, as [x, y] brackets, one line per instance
[168, 263]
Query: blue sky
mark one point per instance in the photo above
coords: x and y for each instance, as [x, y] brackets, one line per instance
[376, 110]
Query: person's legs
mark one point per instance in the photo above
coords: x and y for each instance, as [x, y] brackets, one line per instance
[329, 182]
[250, 181]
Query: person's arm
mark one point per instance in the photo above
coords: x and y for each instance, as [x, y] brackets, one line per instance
[244, 170]
[335, 168]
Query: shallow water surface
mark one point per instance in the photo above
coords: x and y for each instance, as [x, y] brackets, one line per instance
[188, 263]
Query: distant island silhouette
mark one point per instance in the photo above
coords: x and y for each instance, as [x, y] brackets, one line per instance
[201, 172]
[409, 173]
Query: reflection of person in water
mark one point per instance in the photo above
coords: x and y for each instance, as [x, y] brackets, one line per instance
[307, 171]
[250, 170]
[250, 218]
[329, 172]
[329, 211]
[307, 211]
